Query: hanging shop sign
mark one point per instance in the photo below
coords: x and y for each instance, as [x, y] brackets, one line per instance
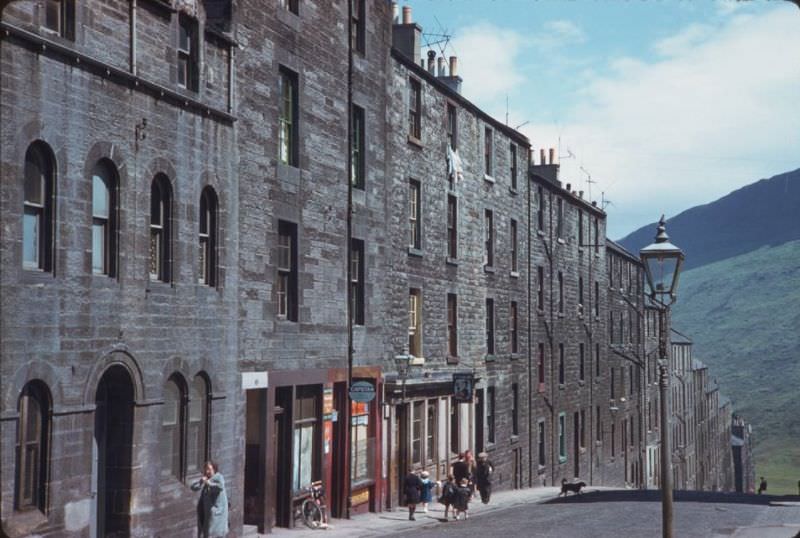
[463, 387]
[362, 391]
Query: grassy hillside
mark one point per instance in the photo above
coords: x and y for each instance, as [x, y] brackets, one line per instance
[743, 314]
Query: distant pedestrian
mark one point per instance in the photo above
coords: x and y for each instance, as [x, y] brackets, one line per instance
[427, 485]
[448, 495]
[460, 469]
[483, 476]
[412, 488]
[470, 461]
[461, 500]
[212, 508]
[762, 487]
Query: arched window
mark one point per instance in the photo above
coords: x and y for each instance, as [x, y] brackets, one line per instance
[160, 229]
[32, 451]
[173, 422]
[208, 238]
[37, 222]
[197, 442]
[104, 219]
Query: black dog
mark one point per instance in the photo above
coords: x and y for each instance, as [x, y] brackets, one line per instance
[574, 488]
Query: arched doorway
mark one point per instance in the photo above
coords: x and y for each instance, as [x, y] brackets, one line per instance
[112, 453]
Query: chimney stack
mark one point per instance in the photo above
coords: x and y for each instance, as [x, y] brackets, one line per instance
[432, 62]
[453, 81]
[407, 36]
[545, 170]
[440, 66]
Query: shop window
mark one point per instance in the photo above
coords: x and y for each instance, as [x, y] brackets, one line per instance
[416, 432]
[362, 441]
[430, 431]
[305, 453]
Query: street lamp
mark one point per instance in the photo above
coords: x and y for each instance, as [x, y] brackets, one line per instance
[662, 264]
[403, 364]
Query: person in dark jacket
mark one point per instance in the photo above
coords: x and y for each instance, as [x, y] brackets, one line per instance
[412, 488]
[483, 477]
[762, 487]
[460, 469]
[448, 495]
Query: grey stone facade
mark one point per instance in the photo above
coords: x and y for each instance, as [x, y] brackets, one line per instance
[87, 99]
[109, 89]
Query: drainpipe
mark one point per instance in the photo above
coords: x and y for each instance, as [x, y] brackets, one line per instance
[349, 225]
[530, 334]
[132, 46]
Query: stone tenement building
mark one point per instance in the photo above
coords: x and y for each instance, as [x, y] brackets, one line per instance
[216, 216]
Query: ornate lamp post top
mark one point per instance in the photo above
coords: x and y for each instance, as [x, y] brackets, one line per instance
[662, 264]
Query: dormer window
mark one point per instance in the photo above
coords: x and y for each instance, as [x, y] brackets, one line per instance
[187, 53]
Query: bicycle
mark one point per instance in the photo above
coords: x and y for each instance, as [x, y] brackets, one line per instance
[313, 510]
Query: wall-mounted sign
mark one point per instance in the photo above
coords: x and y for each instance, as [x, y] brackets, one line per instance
[254, 380]
[463, 387]
[362, 391]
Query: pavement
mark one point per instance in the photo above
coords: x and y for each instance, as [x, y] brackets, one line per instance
[600, 512]
[383, 523]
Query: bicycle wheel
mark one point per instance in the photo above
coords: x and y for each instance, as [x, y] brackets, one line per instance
[312, 515]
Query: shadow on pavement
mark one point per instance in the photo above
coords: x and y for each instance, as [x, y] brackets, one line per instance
[678, 496]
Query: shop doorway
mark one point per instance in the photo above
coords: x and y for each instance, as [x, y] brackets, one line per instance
[112, 454]
[255, 458]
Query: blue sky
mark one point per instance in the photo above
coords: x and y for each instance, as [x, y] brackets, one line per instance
[665, 104]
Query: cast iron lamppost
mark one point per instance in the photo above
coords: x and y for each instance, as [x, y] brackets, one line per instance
[403, 363]
[662, 264]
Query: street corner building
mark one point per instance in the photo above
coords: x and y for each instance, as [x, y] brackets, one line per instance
[280, 238]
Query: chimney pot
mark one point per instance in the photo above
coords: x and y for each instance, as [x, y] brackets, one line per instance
[580, 194]
[395, 13]
[542, 160]
[406, 14]
[553, 156]
[594, 203]
[569, 185]
[453, 66]
[440, 66]
[432, 62]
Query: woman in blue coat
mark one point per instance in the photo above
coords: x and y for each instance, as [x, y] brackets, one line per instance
[212, 508]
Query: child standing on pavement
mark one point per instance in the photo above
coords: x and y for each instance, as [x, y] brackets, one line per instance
[427, 486]
[447, 498]
[461, 501]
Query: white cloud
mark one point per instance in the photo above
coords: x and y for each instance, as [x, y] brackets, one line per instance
[559, 33]
[489, 62]
[718, 111]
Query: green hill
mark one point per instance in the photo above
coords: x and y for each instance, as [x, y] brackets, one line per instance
[743, 314]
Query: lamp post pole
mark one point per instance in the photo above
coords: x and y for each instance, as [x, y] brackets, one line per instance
[662, 263]
[666, 456]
